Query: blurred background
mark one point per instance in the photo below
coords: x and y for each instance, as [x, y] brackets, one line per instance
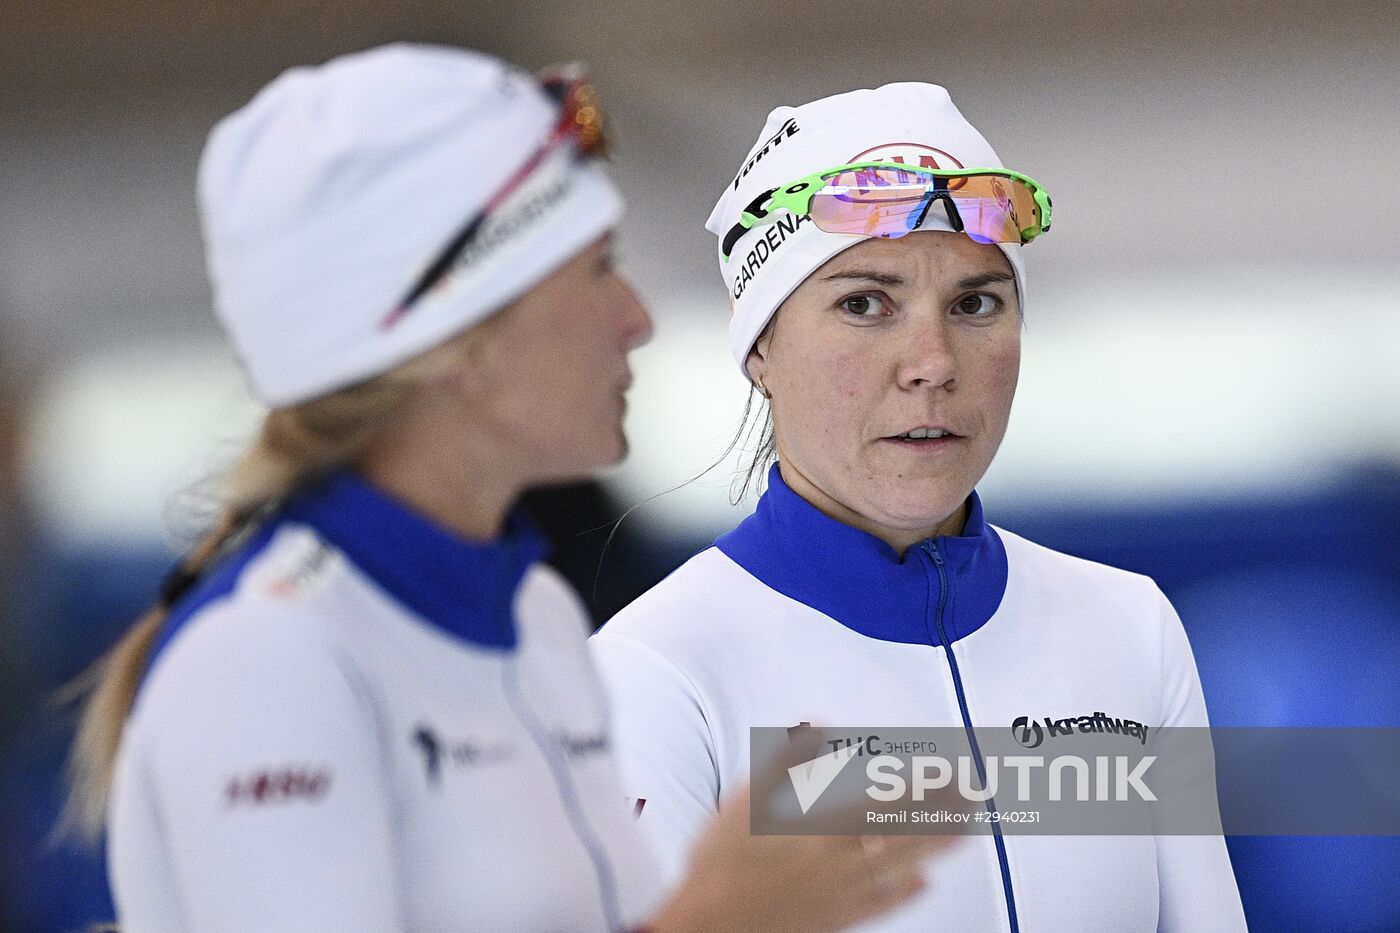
[1211, 381]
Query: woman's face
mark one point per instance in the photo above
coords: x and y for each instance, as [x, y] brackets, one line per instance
[554, 371]
[891, 337]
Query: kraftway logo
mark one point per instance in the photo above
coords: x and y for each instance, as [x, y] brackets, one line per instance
[1029, 733]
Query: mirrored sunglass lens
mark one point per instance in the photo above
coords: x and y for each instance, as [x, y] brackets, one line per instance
[890, 202]
[872, 202]
[995, 209]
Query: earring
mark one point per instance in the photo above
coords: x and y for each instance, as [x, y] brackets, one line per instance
[763, 390]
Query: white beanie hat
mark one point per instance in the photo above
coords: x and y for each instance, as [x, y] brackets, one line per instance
[910, 122]
[327, 196]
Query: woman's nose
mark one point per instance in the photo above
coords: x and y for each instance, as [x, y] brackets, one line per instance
[635, 322]
[928, 359]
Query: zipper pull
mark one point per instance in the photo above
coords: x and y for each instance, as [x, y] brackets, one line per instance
[932, 549]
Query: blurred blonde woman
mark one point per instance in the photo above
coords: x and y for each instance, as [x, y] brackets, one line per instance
[362, 702]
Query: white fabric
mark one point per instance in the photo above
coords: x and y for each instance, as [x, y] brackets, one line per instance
[325, 197]
[711, 651]
[309, 668]
[908, 121]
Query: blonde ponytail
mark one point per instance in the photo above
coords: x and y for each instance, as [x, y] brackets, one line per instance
[295, 446]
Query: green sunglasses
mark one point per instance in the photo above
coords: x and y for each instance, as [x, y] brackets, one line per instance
[889, 199]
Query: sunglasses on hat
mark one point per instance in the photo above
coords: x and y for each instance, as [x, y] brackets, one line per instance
[885, 199]
[580, 123]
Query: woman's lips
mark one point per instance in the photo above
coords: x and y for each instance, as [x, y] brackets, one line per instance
[925, 445]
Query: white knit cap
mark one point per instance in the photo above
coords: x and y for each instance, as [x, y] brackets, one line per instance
[910, 122]
[325, 197]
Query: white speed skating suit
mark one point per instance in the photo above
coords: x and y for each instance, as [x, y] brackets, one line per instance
[795, 617]
[360, 722]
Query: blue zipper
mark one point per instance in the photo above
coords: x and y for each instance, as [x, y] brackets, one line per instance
[932, 550]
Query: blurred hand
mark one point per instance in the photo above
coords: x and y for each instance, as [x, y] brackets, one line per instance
[742, 883]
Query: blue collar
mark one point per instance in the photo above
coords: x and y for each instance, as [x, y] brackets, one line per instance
[464, 587]
[858, 580]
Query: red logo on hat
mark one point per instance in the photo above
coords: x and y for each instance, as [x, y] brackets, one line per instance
[912, 154]
[908, 154]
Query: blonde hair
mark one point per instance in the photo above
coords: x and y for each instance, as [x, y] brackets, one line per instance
[294, 446]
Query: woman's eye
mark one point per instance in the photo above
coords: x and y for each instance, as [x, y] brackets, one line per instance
[979, 304]
[863, 305]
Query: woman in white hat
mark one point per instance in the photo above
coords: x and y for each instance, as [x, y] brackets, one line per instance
[362, 702]
[871, 244]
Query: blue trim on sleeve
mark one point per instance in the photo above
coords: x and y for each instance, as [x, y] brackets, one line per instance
[466, 588]
[857, 579]
[211, 588]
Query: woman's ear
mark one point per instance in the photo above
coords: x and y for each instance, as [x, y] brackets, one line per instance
[756, 365]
